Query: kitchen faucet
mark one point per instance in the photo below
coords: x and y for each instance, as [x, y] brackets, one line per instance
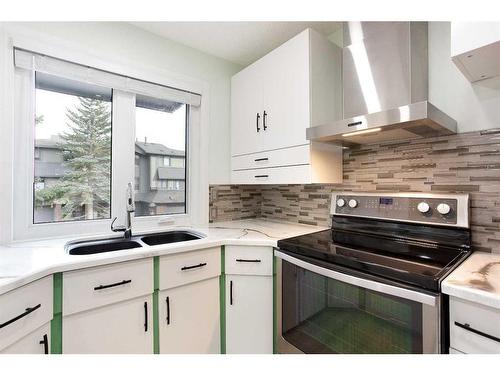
[130, 206]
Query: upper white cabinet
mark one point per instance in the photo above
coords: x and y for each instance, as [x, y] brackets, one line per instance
[475, 49]
[274, 101]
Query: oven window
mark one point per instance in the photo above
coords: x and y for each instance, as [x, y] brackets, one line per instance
[322, 315]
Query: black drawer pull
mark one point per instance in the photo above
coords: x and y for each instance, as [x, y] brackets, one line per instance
[262, 176]
[467, 327]
[45, 343]
[231, 292]
[112, 285]
[257, 122]
[168, 310]
[145, 316]
[262, 159]
[249, 260]
[355, 123]
[264, 120]
[28, 310]
[191, 267]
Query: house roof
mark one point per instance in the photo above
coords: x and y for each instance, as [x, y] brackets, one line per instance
[157, 149]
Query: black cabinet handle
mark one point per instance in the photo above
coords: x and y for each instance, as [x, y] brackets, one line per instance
[261, 176]
[231, 292]
[45, 343]
[355, 123]
[249, 260]
[145, 316]
[112, 285]
[264, 126]
[257, 122]
[467, 327]
[262, 159]
[28, 310]
[168, 310]
[191, 267]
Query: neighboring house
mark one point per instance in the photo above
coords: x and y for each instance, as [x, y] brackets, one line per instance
[160, 181]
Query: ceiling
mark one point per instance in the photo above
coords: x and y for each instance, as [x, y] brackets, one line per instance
[239, 42]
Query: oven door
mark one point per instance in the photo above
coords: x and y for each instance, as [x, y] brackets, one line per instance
[324, 311]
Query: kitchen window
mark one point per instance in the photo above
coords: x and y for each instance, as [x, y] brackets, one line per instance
[82, 134]
[160, 129]
[73, 143]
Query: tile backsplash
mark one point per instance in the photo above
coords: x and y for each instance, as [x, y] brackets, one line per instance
[466, 162]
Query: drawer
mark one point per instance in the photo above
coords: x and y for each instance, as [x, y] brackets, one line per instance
[281, 175]
[275, 158]
[470, 326]
[249, 260]
[24, 310]
[186, 268]
[98, 286]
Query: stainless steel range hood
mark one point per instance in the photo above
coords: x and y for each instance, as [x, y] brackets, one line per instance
[385, 86]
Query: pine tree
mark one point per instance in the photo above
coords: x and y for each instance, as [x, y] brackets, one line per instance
[86, 147]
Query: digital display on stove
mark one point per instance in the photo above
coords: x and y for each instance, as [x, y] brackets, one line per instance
[386, 201]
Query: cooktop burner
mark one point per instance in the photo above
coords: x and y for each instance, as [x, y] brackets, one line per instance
[399, 243]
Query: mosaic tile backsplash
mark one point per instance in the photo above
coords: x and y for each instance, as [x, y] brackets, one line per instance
[466, 162]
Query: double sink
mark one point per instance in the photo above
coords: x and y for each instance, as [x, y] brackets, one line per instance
[115, 244]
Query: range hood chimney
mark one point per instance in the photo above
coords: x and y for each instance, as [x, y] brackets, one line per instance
[385, 86]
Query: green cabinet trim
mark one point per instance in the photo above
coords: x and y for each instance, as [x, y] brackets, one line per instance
[156, 322]
[275, 311]
[222, 302]
[56, 323]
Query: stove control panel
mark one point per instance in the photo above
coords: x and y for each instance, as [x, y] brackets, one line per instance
[439, 209]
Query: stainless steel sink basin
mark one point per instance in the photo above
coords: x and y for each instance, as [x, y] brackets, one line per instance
[100, 246]
[169, 237]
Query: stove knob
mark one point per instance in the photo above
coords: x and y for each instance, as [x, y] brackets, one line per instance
[353, 203]
[341, 202]
[423, 207]
[443, 209]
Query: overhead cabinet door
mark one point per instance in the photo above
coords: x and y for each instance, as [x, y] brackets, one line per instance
[246, 110]
[285, 112]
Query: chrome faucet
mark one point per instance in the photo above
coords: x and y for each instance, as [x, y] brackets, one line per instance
[130, 208]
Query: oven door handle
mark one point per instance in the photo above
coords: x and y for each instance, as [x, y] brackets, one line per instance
[426, 299]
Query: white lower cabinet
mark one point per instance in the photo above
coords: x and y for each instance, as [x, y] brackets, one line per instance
[249, 314]
[189, 318]
[121, 328]
[474, 328]
[36, 342]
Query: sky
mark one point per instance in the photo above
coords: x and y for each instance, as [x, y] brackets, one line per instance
[158, 127]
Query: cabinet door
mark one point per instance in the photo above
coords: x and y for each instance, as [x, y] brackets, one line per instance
[246, 111]
[36, 342]
[249, 314]
[286, 94]
[189, 318]
[120, 328]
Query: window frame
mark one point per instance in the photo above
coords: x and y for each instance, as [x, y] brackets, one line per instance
[22, 162]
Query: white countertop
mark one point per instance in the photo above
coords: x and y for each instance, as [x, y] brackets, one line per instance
[476, 280]
[24, 262]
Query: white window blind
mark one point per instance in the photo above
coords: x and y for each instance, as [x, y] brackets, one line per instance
[50, 65]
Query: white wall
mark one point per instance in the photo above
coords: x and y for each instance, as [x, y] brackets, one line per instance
[475, 106]
[123, 42]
